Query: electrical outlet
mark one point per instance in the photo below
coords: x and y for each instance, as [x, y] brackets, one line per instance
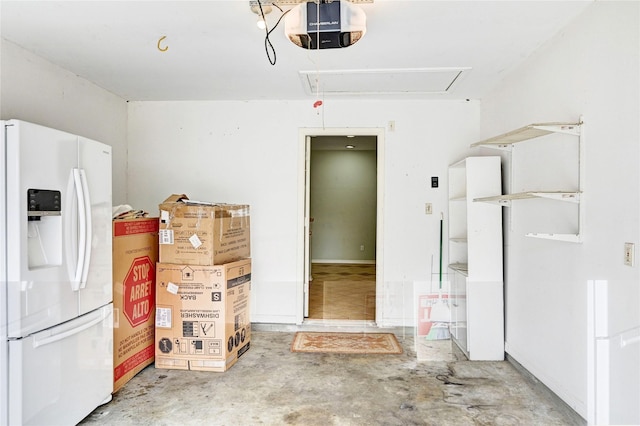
[629, 249]
[362, 247]
[428, 208]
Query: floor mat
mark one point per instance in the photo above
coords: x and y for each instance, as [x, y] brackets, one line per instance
[346, 343]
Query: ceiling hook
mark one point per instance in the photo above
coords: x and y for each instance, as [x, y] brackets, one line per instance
[162, 49]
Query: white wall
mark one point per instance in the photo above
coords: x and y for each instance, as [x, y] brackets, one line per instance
[33, 89]
[591, 68]
[343, 205]
[248, 152]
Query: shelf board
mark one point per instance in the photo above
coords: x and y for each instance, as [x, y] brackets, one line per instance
[571, 238]
[459, 164]
[458, 240]
[506, 140]
[460, 267]
[505, 200]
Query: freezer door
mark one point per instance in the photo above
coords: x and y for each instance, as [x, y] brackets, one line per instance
[40, 219]
[4, 381]
[3, 286]
[60, 375]
[96, 284]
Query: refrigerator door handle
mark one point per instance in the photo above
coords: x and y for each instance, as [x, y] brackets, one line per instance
[88, 230]
[100, 316]
[82, 234]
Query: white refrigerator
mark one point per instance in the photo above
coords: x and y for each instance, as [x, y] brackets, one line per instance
[56, 311]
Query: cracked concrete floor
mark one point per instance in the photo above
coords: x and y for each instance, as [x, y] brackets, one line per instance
[270, 385]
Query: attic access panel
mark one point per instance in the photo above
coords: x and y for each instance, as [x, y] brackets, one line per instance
[382, 81]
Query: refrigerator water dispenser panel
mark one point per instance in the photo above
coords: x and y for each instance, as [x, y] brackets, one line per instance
[44, 228]
[43, 202]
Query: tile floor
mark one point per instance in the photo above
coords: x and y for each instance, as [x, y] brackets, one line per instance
[342, 292]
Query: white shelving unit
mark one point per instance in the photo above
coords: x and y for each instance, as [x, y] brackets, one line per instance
[508, 140]
[475, 258]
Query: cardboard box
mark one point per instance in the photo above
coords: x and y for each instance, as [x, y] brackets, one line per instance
[201, 233]
[135, 253]
[202, 315]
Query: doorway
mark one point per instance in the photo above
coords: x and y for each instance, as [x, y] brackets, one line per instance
[342, 224]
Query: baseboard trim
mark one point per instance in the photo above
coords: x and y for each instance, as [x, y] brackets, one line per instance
[535, 382]
[359, 326]
[359, 262]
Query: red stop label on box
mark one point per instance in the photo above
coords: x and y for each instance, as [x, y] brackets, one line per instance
[139, 291]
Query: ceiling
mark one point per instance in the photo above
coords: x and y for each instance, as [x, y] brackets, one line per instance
[213, 50]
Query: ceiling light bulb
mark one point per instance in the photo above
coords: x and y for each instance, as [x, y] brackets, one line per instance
[260, 10]
[350, 146]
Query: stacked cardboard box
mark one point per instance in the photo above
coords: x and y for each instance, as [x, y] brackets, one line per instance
[135, 253]
[203, 285]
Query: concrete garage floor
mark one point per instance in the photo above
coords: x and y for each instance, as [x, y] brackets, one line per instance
[270, 385]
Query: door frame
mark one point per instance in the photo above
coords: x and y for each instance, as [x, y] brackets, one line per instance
[303, 261]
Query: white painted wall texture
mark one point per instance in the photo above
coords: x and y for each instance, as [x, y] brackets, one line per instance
[33, 89]
[248, 152]
[591, 68]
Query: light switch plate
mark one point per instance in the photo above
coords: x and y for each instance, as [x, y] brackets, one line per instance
[629, 249]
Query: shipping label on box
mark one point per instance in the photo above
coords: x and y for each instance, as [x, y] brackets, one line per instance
[135, 253]
[200, 233]
[202, 315]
